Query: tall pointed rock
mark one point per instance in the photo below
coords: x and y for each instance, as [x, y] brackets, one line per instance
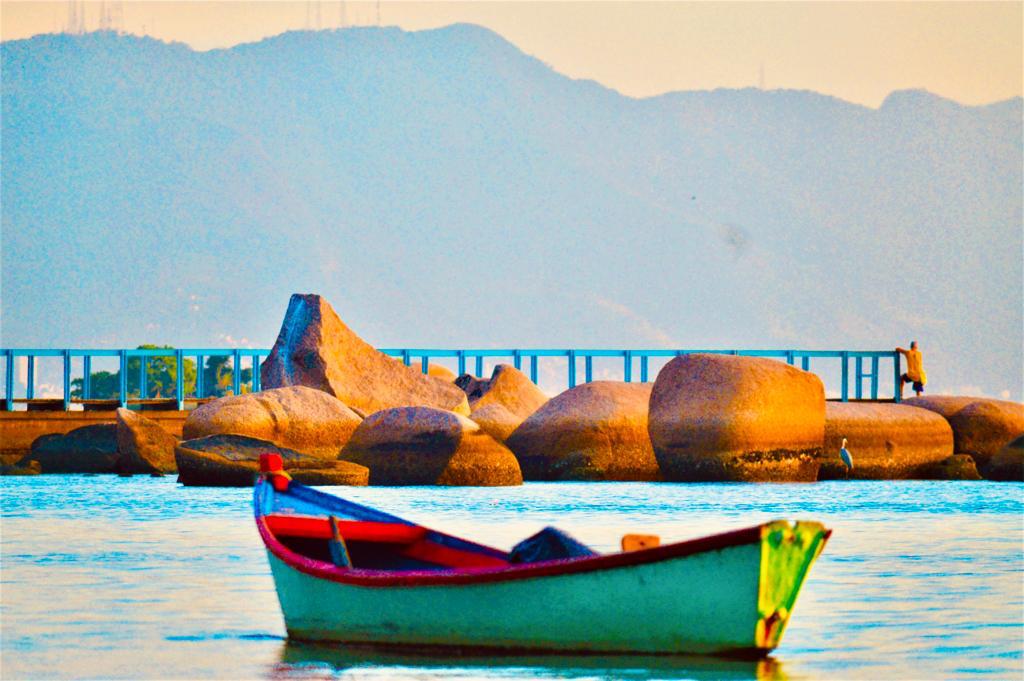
[317, 350]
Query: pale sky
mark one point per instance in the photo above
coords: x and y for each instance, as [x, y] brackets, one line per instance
[967, 51]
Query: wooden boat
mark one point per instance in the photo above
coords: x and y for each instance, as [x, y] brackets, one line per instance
[351, 574]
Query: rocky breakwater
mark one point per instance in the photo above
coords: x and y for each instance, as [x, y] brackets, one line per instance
[730, 418]
[299, 418]
[143, 446]
[90, 449]
[315, 349]
[1008, 464]
[228, 460]
[886, 441]
[429, 446]
[595, 431]
[981, 426]
[500, 404]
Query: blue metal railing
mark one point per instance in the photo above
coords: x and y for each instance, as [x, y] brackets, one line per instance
[861, 359]
[180, 356]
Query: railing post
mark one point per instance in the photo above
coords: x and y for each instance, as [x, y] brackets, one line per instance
[789, 357]
[479, 366]
[256, 378]
[805, 363]
[461, 355]
[122, 379]
[179, 383]
[406, 358]
[896, 380]
[534, 359]
[643, 368]
[572, 368]
[30, 378]
[199, 377]
[859, 388]
[67, 379]
[87, 377]
[9, 381]
[425, 364]
[236, 371]
[143, 388]
[874, 377]
[588, 368]
[844, 356]
[627, 366]
[517, 360]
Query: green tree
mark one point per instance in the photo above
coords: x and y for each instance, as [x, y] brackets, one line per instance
[218, 378]
[161, 377]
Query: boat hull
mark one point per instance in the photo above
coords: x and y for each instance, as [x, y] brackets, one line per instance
[730, 593]
[725, 600]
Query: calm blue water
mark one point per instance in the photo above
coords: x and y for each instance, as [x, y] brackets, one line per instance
[142, 578]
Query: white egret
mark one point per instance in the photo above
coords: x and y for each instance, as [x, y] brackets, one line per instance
[844, 454]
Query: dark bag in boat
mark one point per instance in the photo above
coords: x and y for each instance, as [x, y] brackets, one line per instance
[548, 544]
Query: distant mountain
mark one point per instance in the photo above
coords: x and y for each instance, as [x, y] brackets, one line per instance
[442, 188]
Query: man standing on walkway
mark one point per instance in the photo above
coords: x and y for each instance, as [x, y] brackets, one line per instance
[915, 371]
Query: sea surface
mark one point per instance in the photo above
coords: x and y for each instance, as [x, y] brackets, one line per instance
[141, 578]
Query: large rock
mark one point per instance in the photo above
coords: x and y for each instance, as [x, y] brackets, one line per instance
[23, 467]
[427, 446]
[89, 449]
[886, 441]
[441, 371]
[595, 431]
[316, 349]
[503, 402]
[981, 426]
[724, 417]
[299, 418]
[233, 461]
[955, 467]
[142, 445]
[1008, 464]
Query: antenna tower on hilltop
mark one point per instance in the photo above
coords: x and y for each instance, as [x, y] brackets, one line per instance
[111, 16]
[314, 15]
[76, 17]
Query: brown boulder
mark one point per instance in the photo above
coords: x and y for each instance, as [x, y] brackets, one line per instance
[595, 431]
[725, 417]
[233, 461]
[503, 402]
[1008, 464]
[24, 467]
[981, 426]
[442, 372]
[336, 473]
[886, 441]
[426, 446]
[955, 467]
[142, 445]
[316, 349]
[300, 418]
[89, 449]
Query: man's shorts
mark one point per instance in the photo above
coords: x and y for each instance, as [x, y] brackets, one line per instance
[918, 386]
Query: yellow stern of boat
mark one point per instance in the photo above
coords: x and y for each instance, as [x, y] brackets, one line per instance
[787, 552]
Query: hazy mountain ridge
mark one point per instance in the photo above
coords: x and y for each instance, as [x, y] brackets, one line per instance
[442, 188]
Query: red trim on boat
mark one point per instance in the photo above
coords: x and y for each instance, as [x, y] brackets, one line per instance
[314, 527]
[500, 573]
[432, 552]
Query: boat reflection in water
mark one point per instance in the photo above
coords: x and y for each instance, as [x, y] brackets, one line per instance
[310, 660]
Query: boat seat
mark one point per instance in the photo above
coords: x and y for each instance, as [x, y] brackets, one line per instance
[317, 527]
